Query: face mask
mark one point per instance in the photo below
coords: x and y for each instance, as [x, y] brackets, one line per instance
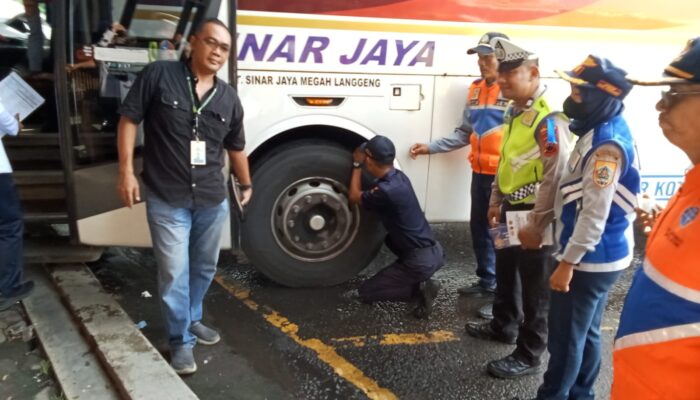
[578, 111]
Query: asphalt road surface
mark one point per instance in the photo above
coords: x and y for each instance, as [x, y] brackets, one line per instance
[280, 343]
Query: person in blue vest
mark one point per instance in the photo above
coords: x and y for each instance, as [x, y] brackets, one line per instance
[595, 208]
[409, 237]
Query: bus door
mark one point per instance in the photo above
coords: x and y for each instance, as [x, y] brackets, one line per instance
[105, 44]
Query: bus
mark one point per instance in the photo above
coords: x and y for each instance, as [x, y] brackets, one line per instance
[316, 79]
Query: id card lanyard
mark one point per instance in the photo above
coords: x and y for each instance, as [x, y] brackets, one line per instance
[198, 150]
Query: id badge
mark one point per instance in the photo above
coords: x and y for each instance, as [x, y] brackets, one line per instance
[198, 152]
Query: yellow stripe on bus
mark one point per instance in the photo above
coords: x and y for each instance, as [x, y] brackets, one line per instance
[521, 29]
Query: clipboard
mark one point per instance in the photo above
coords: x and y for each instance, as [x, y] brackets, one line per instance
[238, 207]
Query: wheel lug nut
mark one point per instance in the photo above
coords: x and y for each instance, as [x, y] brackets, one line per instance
[307, 199]
[324, 198]
[290, 223]
[309, 246]
[295, 209]
[296, 238]
[324, 245]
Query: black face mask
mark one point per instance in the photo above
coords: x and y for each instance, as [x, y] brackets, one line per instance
[578, 111]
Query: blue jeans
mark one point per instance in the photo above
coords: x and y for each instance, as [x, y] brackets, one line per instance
[574, 336]
[186, 248]
[479, 227]
[11, 229]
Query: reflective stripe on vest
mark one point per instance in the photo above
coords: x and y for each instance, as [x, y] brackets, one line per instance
[657, 349]
[486, 107]
[520, 164]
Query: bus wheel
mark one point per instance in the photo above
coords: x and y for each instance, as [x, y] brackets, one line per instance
[299, 229]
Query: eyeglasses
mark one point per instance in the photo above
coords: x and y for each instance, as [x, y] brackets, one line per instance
[670, 98]
[215, 44]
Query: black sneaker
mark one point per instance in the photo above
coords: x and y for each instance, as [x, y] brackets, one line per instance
[477, 290]
[483, 331]
[428, 291]
[510, 367]
[24, 290]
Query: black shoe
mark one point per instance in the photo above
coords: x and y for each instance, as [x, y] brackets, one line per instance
[24, 290]
[428, 291]
[510, 367]
[477, 290]
[484, 331]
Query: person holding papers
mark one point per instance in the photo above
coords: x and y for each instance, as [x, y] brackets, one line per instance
[594, 208]
[534, 152]
[12, 286]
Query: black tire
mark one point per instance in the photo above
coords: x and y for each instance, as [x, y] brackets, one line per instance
[299, 175]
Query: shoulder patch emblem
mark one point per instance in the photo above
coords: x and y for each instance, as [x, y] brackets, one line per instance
[688, 216]
[529, 117]
[604, 172]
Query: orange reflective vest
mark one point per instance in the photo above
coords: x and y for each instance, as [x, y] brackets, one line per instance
[486, 107]
[657, 348]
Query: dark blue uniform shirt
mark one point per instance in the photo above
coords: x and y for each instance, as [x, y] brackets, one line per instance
[394, 200]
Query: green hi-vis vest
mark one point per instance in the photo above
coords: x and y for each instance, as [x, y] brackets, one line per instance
[520, 165]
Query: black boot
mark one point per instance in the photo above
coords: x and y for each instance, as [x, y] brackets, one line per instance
[427, 292]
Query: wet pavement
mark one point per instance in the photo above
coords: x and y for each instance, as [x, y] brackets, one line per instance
[280, 343]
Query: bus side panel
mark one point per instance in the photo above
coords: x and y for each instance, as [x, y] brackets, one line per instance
[450, 173]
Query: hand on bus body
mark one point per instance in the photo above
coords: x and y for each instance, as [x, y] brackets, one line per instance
[561, 277]
[128, 189]
[529, 239]
[494, 215]
[246, 194]
[359, 155]
[418, 149]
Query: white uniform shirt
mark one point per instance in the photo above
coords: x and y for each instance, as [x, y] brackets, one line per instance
[8, 126]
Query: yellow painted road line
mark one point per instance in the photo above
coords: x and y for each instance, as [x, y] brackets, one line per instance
[392, 339]
[326, 353]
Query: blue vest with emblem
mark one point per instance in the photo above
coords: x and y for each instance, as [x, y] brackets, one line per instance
[616, 243]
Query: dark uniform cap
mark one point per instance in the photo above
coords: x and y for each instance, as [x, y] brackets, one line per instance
[509, 55]
[484, 45]
[380, 149]
[600, 73]
[684, 69]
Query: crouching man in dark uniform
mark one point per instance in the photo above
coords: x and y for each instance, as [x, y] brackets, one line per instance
[409, 235]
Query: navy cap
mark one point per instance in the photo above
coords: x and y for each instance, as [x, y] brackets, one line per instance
[683, 69]
[380, 148]
[484, 46]
[600, 73]
[510, 55]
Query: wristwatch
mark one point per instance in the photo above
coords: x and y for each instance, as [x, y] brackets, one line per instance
[356, 164]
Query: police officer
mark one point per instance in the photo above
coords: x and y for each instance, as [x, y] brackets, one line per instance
[482, 128]
[409, 236]
[534, 152]
[594, 209]
[657, 348]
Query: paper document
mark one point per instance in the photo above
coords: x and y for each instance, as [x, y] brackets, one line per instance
[517, 219]
[18, 97]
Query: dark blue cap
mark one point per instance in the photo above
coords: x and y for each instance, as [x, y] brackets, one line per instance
[600, 73]
[683, 69]
[484, 46]
[380, 149]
